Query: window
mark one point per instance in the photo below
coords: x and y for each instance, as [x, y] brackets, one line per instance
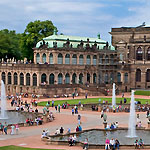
[74, 78]
[106, 59]
[60, 78]
[74, 59]
[88, 77]
[44, 58]
[28, 79]
[100, 59]
[67, 78]
[9, 78]
[21, 79]
[148, 75]
[67, 59]
[15, 79]
[37, 58]
[94, 60]
[88, 60]
[51, 58]
[80, 78]
[81, 60]
[126, 77]
[112, 77]
[34, 79]
[3, 77]
[51, 78]
[148, 53]
[118, 77]
[138, 75]
[106, 78]
[60, 59]
[43, 78]
[111, 59]
[94, 78]
[139, 54]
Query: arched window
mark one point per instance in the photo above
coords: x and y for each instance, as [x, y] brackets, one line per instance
[67, 78]
[15, 79]
[106, 59]
[67, 59]
[138, 75]
[106, 78]
[94, 60]
[74, 78]
[126, 77]
[43, 78]
[60, 59]
[139, 54]
[28, 79]
[21, 79]
[81, 60]
[34, 79]
[118, 77]
[60, 78]
[44, 58]
[51, 58]
[51, 78]
[88, 60]
[74, 59]
[9, 78]
[88, 78]
[111, 59]
[37, 58]
[94, 78]
[100, 59]
[4, 77]
[80, 78]
[148, 53]
[112, 77]
[148, 75]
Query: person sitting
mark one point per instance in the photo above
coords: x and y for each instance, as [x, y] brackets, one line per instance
[140, 143]
[70, 141]
[86, 145]
[116, 124]
[112, 144]
[139, 124]
[77, 129]
[37, 121]
[44, 134]
[31, 122]
[107, 127]
[107, 142]
[57, 131]
[112, 126]
[117, 144]
[28, 121]
[74, 138]
[61, 130]
[136, 144]
[69, 130]
[80, 128]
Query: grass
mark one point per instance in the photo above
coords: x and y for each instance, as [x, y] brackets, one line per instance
[11, 147]
[90, 100]
[146, 93]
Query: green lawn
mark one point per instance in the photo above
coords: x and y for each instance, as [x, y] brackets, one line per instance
[146, 93]
[90, 100]
[20, 148]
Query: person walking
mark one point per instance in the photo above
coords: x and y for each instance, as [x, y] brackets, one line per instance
[5, 127]
[79, 119]
[59, 108]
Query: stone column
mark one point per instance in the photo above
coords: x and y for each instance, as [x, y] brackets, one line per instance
[84, 78]
[6, 78]
[47, 57]
[24, 78]
[84, 59]
[34, 58]
[38, 79]
[91, 78]
[56, 78]
[18, 79]
[91, 59]
[122, 77]
[78, 59]
[31, 79]
[41, 57]
[70, 58]
[63, 58]
[12, 78]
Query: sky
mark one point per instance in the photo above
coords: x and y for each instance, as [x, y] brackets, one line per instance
[75, 17]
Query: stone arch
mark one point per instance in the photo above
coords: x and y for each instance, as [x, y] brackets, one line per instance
[44, 58]
[67, 78]
[15, 78]
[60, 78]
[37, 58]
[34, 78]
[28, 79]
[67, 59]
[139, 53]
[81, 60]
[51, 58]
[74, 78]
[51, 78]
[43, 78]
[60, 58]
[74, 59]
[21, 78]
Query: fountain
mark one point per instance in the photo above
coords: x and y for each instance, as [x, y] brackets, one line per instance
[113, 96]
[3, 102]
[131, 124]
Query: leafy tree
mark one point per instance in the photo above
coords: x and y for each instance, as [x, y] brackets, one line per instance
[34, 32]
[9, 44]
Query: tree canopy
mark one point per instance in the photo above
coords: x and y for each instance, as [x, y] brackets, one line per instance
[10, 44]
[34, 32]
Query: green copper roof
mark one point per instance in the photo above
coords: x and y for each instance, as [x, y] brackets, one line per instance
[74, 40]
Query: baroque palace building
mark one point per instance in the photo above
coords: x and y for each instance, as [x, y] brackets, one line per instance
[66, 64]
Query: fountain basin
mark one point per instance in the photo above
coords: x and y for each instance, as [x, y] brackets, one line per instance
[98, 136]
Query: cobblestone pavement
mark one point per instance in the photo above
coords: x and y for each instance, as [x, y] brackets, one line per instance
[30, 136]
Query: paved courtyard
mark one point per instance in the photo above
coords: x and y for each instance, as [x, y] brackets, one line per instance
[31, 136]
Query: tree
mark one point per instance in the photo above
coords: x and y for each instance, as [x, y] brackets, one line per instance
[34, 32]
[10, 44]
